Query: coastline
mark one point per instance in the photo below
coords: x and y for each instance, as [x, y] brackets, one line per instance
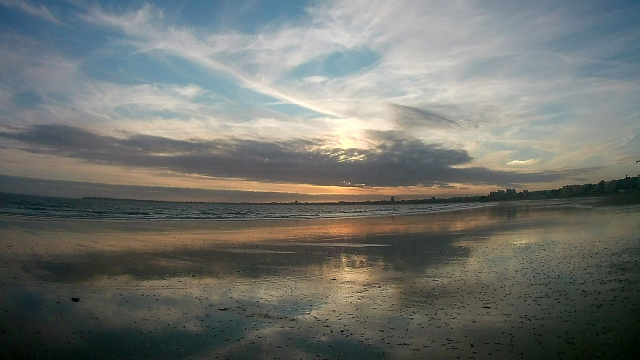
[38, 234]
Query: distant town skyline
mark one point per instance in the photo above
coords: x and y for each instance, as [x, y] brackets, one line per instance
[316, 100]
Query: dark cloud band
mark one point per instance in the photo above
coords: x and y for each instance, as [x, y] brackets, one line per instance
[396, 159]
[411, 117]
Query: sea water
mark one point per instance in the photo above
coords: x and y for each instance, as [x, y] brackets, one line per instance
[114, 209]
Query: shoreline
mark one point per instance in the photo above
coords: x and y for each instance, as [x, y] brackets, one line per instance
[197, 212]
[530, 204]
[37, 233]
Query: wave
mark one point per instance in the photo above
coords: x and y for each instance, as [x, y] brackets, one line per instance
[112, 209]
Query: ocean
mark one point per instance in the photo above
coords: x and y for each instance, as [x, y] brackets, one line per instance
[114, 209]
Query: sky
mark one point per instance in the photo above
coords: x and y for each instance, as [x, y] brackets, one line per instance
[316, 100]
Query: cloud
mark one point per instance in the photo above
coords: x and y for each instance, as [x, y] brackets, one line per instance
[31, 65]
[394, 159]
[41, 11]
[254, 61]
[411, 117]
[22, 185]
[315, 79]
[524, 162]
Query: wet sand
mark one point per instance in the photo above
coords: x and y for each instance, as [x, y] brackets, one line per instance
[526, 280]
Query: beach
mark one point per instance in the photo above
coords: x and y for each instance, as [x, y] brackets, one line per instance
[517, 280]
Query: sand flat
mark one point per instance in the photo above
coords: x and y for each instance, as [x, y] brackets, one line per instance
[518, 280]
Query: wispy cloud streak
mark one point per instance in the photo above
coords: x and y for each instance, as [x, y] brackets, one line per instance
[39, 11]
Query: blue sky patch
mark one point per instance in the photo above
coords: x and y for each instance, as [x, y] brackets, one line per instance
[337, 64]
[27, 100]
